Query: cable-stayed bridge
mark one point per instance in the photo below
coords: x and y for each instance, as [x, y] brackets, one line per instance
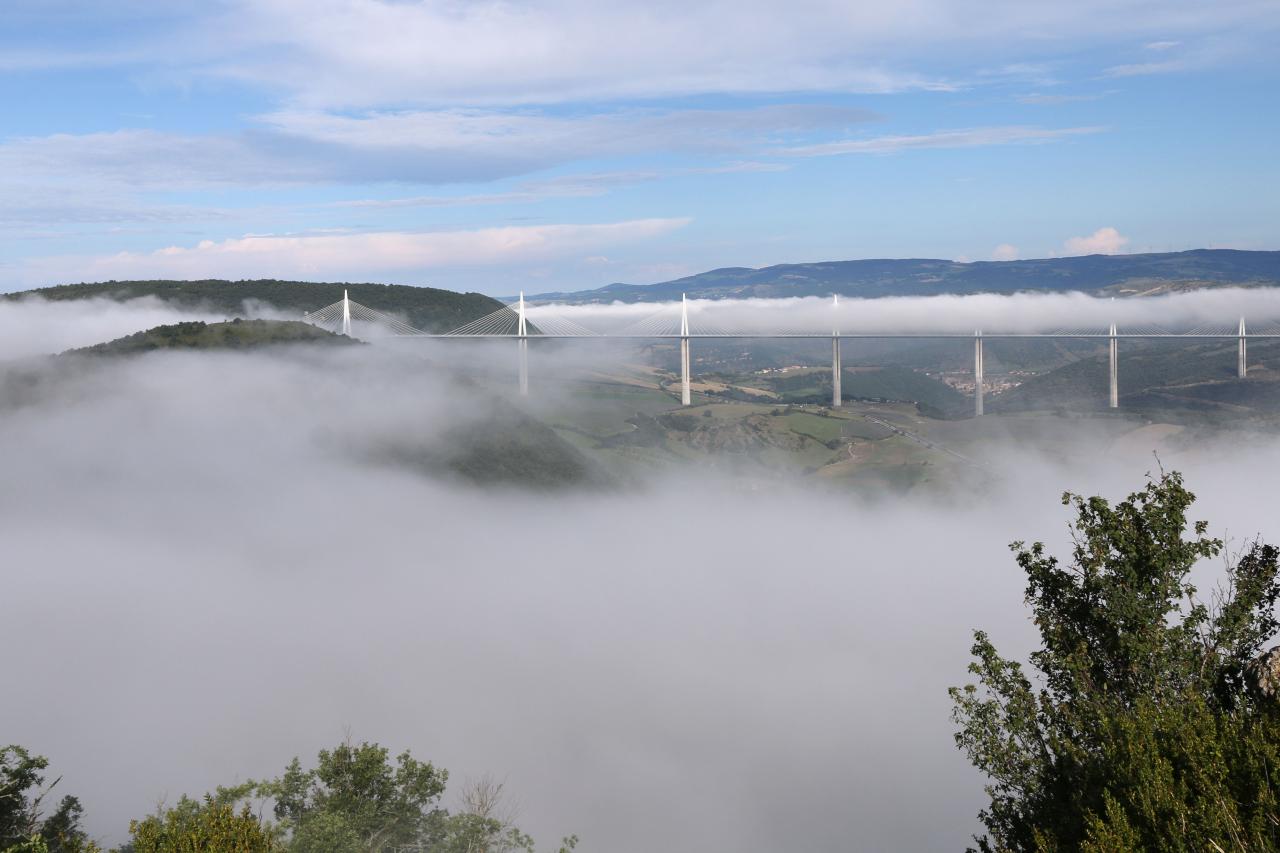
[686, 321]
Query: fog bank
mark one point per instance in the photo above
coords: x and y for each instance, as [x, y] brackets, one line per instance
[211, 577]
[992, 313]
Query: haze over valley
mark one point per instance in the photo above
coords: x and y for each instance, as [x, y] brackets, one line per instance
[483, 428]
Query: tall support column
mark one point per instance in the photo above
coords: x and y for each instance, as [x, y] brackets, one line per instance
[346, 314]
[978, 377]
[837, 369]
[1242, 367]
[1114, 401]
[837, 396]
[686, 395]
[522, 331]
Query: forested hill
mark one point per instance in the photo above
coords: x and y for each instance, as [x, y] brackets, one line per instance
[234, 334]
[427, 308]
[1113, 274]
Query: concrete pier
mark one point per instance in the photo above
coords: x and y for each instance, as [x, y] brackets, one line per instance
[1242, 367]
[522, 330]
[977, 374]
[1114, 401]
[836, 368]
[686, 396]
[836, 371]
[523, 344]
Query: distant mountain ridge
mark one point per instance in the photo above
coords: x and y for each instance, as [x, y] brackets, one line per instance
[1115, 274]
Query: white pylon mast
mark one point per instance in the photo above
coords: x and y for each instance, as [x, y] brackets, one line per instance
[522, 330]
[1241, 366]
[836, 369]
[979, 370]
[346, 314]
[1114, 400]
[686, 396]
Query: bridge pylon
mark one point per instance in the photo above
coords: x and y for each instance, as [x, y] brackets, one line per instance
[1114, 364]
[522, 331]
[1242, 368]
[686, 396]
[346, 314]
[978, 373]
[836, 368]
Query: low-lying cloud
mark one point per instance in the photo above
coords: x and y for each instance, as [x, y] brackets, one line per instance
[32, 327]
[214, 579]
[1025, 313]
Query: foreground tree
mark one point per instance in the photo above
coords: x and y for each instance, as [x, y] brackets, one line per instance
[210, 826]
[1152, 722]
[23, 826]
[358, 800]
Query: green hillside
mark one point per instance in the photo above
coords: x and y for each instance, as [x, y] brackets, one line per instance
[1163, 376]
[889, 383]
[233, 334]
[426, 308]
[503, 446]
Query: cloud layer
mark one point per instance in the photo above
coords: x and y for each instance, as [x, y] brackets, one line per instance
[994, 314]
[218, 578]
[364, 256]
[354, 52]
[1104, 241]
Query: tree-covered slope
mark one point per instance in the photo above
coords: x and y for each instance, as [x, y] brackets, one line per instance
[233, 334]
[427, 308]
[500, 446]
[922, 277]
[890, 382]
[1158, 375]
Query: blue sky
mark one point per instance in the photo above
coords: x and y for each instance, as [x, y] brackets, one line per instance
[563, 145]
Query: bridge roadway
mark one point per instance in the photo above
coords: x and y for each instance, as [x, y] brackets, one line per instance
[508, 323]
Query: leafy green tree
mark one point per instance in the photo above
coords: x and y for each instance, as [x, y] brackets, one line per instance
[1151, 722]
[202, 827]
[21, 794]
[356, 799]
[61, 830]
[20, 773]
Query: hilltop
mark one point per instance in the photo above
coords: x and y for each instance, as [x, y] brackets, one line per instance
[427, 308]
[1116, 275]
[233, 334]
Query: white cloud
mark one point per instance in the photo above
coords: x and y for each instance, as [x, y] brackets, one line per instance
[364, 255]
[361, 52]
[1004, 252]
[369, 53]
[563, 186]
[1139, 69]
[422, 146]
[950, 314]
[1210, 51]
[968, 138]
[1039, 99]
[1104, 241]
